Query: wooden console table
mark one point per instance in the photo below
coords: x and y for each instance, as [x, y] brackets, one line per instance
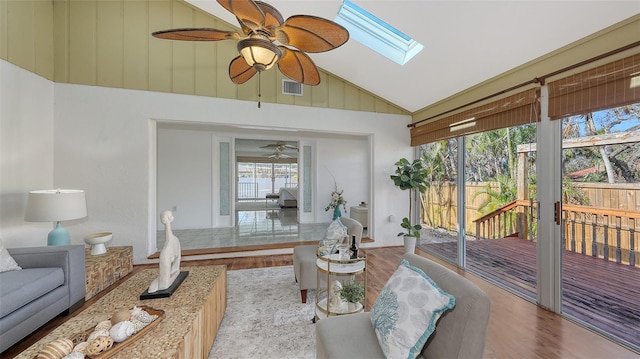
[190, 324]
[103, 270]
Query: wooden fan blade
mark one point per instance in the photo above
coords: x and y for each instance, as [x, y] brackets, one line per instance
[247, 11]
[298, 66]
[272, 17]
[195, 34]
[312, 34]
[239, 71]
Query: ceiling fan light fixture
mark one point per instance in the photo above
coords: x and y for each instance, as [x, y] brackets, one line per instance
[259, 53]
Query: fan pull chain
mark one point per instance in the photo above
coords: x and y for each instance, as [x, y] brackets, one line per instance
[259, 88]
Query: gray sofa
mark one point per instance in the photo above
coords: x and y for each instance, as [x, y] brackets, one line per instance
[460, 333]
[51, 282]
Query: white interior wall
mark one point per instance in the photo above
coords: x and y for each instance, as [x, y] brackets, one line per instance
[184, 182]
[26, 151]
[347, 163]
[103, 145]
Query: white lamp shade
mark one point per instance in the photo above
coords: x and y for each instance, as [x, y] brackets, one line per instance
[55, 205]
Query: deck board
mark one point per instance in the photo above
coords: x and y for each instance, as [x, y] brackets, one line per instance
[601, 293]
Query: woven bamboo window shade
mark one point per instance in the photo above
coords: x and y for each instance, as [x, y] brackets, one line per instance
[611, 85]
[518, 109]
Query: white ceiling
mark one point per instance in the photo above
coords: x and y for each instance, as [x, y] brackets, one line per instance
[465, 42]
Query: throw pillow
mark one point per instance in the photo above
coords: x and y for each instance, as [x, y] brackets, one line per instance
[336, 230]
[6, 261]
[405, 313]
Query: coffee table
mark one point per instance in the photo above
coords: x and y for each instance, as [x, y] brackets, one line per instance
[189, 326]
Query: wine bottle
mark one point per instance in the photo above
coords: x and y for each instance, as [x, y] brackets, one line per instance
[354, 248]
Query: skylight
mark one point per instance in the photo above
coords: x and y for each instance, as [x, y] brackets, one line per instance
[376, 34]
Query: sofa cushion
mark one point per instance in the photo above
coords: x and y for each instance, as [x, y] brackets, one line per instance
[406, 311]
[18, 288]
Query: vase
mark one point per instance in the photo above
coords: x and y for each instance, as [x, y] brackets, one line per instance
[336, 213]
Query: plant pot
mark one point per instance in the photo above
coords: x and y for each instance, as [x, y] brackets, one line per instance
[409, 244]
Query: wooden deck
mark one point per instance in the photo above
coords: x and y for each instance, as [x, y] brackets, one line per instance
[601, 293]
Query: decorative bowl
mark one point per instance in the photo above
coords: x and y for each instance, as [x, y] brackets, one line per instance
[97, 241]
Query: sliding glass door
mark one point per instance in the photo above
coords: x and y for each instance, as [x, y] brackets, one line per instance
[601, 220]
[497, 206]
[257, 179]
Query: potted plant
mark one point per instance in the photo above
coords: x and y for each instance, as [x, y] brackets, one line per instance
[410, 176]
[352, 293]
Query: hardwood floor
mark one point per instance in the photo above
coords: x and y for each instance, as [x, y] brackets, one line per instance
[595, 291]
[517, 328]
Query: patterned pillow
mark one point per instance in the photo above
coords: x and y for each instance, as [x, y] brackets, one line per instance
[405, 313]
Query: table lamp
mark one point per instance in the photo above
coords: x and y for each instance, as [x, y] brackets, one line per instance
[55, 206]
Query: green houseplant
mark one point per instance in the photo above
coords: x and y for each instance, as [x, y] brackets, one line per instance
[410, 176]
[352, 292]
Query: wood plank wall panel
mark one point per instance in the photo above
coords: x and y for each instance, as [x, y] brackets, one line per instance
[183, 52]
[82, 42]
[135, 45]
[366, 102]
[320, 96]
[160, 51]
[336, 94]
[4, 28]
[60, 40]
[108, 43]
[43, 38]
[271, 86]
[351, 98]
[205, 60]
[21, 47]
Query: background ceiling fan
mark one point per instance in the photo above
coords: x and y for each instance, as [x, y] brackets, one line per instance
[280, 145]
[267, 39]
[277, 154]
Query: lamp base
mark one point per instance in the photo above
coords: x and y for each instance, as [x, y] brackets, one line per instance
[59, 236]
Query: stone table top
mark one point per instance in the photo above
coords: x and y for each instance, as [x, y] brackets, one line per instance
[181, 309]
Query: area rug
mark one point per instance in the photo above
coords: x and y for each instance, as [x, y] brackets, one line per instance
[265, 317]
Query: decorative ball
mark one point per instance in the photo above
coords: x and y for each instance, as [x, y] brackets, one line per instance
[120, 316]
[97, 333]
[121, 331]
[74, 355]
[99, 345]
[103, 325]
[81, 347]
[135, 312]
[56, 349]
[79, 338]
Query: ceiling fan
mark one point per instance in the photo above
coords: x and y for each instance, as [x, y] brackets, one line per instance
[280, 145]
[277, 154]
[263, 27]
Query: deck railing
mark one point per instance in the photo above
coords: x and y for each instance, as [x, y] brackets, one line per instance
[605, 233]
[247, 190]
[513, 219]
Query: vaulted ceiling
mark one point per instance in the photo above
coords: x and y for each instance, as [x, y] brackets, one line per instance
[465, 42]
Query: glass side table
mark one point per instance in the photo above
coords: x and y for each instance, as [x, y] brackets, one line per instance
[332, 269]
